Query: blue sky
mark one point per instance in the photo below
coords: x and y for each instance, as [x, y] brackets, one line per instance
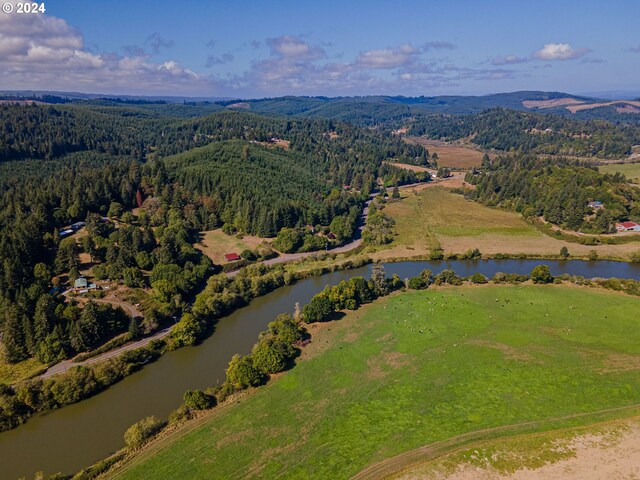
[269, 48]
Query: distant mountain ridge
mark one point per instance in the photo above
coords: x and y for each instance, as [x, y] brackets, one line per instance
[391, 111]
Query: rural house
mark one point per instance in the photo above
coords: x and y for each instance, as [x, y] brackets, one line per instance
[628, 227]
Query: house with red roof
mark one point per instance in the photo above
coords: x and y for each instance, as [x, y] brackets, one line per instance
[627, 227]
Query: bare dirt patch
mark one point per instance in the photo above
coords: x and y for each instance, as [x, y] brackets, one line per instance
[618, 104]
[243, 105]
[556, 102]
[621, 363]
[508, 351]
[413, 168]
[591, 456]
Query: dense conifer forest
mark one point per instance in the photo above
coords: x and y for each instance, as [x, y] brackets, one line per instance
[96, 162]
[510, 130]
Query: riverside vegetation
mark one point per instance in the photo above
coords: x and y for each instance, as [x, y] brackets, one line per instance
[397, 333]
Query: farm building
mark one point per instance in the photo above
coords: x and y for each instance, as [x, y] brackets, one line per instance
[65, 233]
[77, 226]
[231, 257]
[628, 227]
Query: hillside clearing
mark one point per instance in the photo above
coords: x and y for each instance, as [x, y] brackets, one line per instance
[449, 155]
[413, 369]
[629, 170]
[215, 244]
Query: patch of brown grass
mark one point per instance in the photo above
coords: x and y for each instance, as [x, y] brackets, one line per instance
[450, 155]
[215, 244]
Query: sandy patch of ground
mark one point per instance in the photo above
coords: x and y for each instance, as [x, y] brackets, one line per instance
[593, 457]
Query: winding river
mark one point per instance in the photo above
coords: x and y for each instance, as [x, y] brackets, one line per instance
[75, 436]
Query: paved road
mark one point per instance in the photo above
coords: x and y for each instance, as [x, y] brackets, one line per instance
[67, 364]
[134, 312]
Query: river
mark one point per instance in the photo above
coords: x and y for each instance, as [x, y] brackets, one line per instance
[75, 436]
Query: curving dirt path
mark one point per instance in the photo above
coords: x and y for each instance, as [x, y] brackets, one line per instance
[394, 465]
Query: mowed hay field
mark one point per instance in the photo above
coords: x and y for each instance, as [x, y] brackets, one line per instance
[449, 155]
[431, 216]
[630, 170]
[215, 243]
[412, 369]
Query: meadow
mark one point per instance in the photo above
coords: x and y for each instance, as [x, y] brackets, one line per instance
[630, 170]
[431, 217]
[412, 369]
[451, 156]
[215, 244]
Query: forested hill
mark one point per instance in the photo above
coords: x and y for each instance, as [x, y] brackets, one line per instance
[509, 130]
[380, 109]
[96, 157]
[44, 132]
[558, 190]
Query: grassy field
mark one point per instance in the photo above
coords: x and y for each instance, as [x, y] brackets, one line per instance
[430, 217]
[215, 243]
[413, 369]
[630, 170]
[11, 373]
[450, 155]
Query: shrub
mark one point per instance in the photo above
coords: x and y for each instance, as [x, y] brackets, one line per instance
[141, 431]
[270, 355]
[448, 276]
[436, 255]
[198, 400]
[417, 283]
[472, 254]
[318, 309]
[241, 372]
[541, 274]
[248, 255]
[478, 278]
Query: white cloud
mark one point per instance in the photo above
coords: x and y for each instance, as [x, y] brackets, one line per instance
[292, 47]
[44, 52]
[388, 57]
[560, 51]
[508, 60]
